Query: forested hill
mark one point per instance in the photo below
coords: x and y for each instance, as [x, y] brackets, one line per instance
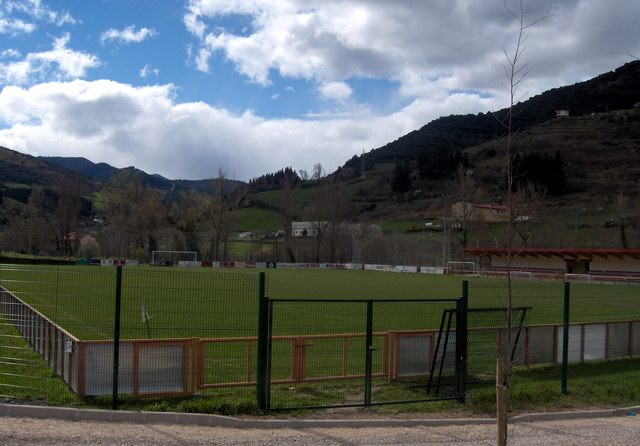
[619, 89]
[105, 173]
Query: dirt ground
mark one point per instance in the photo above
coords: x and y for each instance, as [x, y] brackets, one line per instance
[582, 432]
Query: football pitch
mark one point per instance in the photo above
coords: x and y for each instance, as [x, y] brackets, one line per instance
[204, 302]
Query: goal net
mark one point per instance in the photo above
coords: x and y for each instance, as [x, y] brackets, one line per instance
[456, 267]
[521, 275]
[577, 278]
[173, 258]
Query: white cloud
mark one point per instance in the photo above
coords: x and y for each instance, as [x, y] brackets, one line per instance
[34, 9]
[144, 126]
[440, 57]
[420, 44]
[58, 63]
[126, 35]
[15, 26]
[338, 91]
[148, 70]
[10, 53]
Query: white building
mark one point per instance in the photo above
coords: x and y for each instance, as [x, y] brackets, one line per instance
[307, 228]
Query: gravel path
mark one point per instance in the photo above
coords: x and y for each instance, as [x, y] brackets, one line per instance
[598, 431]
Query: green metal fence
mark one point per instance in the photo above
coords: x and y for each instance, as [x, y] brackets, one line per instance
[348, 352]
[205, 333]
[177, 333]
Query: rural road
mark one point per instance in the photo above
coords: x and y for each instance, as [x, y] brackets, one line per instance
[622, 430]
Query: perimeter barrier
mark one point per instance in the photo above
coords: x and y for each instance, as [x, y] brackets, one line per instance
[80, 332]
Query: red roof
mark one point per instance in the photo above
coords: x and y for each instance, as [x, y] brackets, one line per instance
[572, 253]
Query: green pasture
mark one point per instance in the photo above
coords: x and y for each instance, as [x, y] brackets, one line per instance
[254, 219]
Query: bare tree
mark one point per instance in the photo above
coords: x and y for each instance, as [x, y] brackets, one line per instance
[220, 212]
[67, 215]
[318, 171]
[118, 208]
[516, 72]
[527, 207]
[33, 220]
[186, 217]
[135, 213]
[286, 216]
[466, 196]
[316, 215]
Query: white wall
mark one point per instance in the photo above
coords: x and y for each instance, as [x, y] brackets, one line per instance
[527, 263]
[626, 264]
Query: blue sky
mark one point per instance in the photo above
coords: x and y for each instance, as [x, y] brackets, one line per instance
[187, 87]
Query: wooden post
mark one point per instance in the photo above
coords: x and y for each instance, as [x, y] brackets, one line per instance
[502, 396]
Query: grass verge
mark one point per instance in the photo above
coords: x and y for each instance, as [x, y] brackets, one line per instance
[595, 385]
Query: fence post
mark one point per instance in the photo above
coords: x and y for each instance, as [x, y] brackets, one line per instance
[262, 375]
[368, 362]
[462, 306]
[116, 338]
[565, 339]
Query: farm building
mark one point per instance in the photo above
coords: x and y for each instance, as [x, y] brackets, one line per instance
[306, 228]
[595, 261]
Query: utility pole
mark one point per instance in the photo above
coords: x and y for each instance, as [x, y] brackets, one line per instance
[444, 233]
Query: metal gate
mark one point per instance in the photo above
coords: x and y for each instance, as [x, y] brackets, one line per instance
[348, 352]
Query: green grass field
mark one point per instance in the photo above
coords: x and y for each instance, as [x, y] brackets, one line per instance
[220, 302]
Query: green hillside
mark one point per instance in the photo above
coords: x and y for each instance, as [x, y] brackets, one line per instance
[584, 168]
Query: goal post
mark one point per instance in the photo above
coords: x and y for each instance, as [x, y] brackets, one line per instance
[171, 258]
[459, 267]
[577, 278]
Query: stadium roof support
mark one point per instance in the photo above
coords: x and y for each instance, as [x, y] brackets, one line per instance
[563, 253]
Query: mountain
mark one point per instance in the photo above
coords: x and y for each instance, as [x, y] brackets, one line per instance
[21, 171]
[104, 172]
[100, 171]
[616, 90]
[598, 145]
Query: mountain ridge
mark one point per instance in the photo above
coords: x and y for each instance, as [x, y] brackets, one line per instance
[615, 90]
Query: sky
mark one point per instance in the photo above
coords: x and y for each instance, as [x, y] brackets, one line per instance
[184, 88]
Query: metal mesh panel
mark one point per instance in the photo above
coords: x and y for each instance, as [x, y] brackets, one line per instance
[61, 318]
[319, 352]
